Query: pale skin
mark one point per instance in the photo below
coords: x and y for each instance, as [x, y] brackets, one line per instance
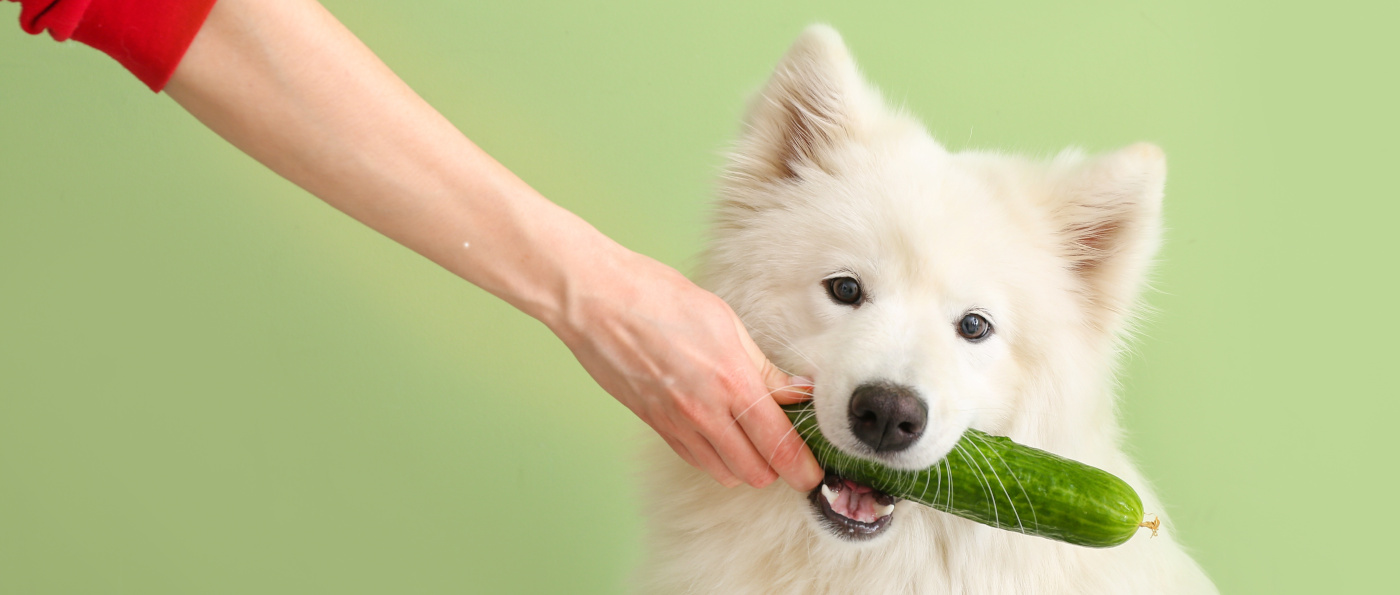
[286, 83]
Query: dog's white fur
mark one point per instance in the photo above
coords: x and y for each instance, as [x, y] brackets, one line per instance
[827, 179]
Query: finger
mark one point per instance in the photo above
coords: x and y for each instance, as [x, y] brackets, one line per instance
[773, 435]
[740, 455]
[784, 389]
[682, 451]
[710, 461]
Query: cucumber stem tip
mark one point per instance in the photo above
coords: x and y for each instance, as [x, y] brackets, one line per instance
[1153, 524]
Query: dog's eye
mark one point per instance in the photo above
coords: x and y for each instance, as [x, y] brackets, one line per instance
[974, 327]
[845, 290]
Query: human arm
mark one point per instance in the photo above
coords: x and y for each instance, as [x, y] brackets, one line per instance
[286, 83]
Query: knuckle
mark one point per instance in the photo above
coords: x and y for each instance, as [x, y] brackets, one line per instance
[734, 381]
[755, 471]
[749, 473]
[767, 476]
[691, 410]
[722, 475]
[707, 422]
[787, 452]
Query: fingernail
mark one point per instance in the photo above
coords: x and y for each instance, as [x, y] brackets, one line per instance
[802, 381]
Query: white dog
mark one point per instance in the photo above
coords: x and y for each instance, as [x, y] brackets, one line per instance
[925, 292]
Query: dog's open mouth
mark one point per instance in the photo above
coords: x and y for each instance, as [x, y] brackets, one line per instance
[851, 510]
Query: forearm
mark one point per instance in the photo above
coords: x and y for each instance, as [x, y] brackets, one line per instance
[286, 83]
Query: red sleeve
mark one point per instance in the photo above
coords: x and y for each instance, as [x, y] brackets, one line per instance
[148, 37]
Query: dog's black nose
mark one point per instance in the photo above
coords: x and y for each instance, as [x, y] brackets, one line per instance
[888, 417]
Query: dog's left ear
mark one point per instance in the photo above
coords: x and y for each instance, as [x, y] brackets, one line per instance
[1108, 210]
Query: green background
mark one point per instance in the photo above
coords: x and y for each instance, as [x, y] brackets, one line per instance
[210, 382]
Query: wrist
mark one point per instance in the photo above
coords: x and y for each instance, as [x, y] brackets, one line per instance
[586, 270]
[600, 288]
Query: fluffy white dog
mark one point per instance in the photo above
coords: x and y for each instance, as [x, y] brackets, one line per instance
[925, 292]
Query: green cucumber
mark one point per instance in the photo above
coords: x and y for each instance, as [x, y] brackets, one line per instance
[999, 483]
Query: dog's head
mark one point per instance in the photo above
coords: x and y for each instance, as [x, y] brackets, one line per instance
[925, 292]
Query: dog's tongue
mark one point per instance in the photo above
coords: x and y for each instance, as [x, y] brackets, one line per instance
[856, 501]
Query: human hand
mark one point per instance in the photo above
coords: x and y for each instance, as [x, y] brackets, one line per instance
[680, 359]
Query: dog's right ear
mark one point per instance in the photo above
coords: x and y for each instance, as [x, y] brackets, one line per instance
[815, 100]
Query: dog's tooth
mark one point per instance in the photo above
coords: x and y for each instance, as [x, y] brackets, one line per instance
[830, 495]
[885, 510]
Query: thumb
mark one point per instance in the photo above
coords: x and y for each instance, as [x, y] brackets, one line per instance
[785, 389]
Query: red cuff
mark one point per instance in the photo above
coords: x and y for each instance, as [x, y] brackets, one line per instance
[148, 37]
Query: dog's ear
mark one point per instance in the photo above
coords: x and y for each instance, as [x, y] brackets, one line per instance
[814, 100]
[1108, 211]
